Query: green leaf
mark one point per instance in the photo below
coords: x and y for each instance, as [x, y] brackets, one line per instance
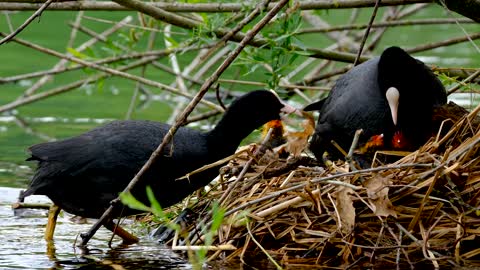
[76, 53]
[218, 215]
[156, 208]
[258, 57]
[130, 201]
[292, 59]
[100, 84]
[133, 35]
[173, 42]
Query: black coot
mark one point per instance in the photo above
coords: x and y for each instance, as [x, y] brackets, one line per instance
[393, 95]
[83, 174]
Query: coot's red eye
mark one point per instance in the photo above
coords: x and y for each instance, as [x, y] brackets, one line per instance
[399, 141]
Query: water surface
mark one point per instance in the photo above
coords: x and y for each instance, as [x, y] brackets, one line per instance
[23, 246]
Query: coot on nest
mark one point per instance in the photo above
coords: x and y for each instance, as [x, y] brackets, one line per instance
[393, 95]
[83, 174]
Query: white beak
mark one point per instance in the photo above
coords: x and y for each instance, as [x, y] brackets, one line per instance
[393, 97]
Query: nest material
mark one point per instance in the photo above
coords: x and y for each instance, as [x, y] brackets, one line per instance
[423, 210]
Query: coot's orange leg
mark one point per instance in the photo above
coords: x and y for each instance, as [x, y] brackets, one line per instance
[52, 222]
[127, 237]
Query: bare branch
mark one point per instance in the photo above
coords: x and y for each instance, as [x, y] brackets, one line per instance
[110, 71]
[384, 24]
[27, 22]
[197, 7]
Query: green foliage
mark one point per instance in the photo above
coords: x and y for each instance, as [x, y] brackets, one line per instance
[218, 215]
[156, 209]
[448, 81]
[129, 200]
[77, 53]
[278, 55]
[198, 258]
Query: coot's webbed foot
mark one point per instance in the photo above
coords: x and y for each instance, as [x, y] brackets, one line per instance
[165, 232]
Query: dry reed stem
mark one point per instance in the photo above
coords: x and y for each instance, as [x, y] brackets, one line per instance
[299, 216]
[436, 224]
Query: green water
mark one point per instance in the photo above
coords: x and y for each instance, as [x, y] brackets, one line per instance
[85, 107]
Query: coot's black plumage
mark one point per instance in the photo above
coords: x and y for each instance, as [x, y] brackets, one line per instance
[84, 173]
[358, 101]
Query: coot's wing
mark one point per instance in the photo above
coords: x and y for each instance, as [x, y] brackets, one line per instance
[119, 149]
[352, 105]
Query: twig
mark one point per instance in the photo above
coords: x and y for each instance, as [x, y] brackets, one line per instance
[133, 26]
[159, 13]
[261, 247]
[319, 77]
[168, 137]
[247, 165]
[179, 81]
[202, 116]
[138, 85]
[135, 55]
[354, 144]
[69, 87]
[95, 36]
[111, 71]
[470, 78]
[337, 214]
[319, 180]
[367, 31]
[73, 34]
[199, 7]
[235, 30]
[283, 205]
[415, 219]
[27, 22]
[379, 32]
[443, 43]
[281, 85]
[383, 24]
[174, 19]
[399, 241]
[22, 205]
[9, 21]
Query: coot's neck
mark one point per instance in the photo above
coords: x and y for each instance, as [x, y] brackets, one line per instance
[231, 130]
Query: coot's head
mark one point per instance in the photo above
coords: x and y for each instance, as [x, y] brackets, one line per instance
[411, 89]
[407, 82]
[394, 68]
[258, 107]
[249, 112]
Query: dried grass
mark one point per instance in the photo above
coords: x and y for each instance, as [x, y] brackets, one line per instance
[422, 210]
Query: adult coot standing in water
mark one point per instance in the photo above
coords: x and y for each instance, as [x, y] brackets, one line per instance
[83, 174]
[393, 95]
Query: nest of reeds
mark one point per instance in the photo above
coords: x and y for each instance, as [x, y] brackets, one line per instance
[422, 210]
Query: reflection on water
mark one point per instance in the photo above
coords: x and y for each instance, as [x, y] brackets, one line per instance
[51, 119]
[23, 246]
